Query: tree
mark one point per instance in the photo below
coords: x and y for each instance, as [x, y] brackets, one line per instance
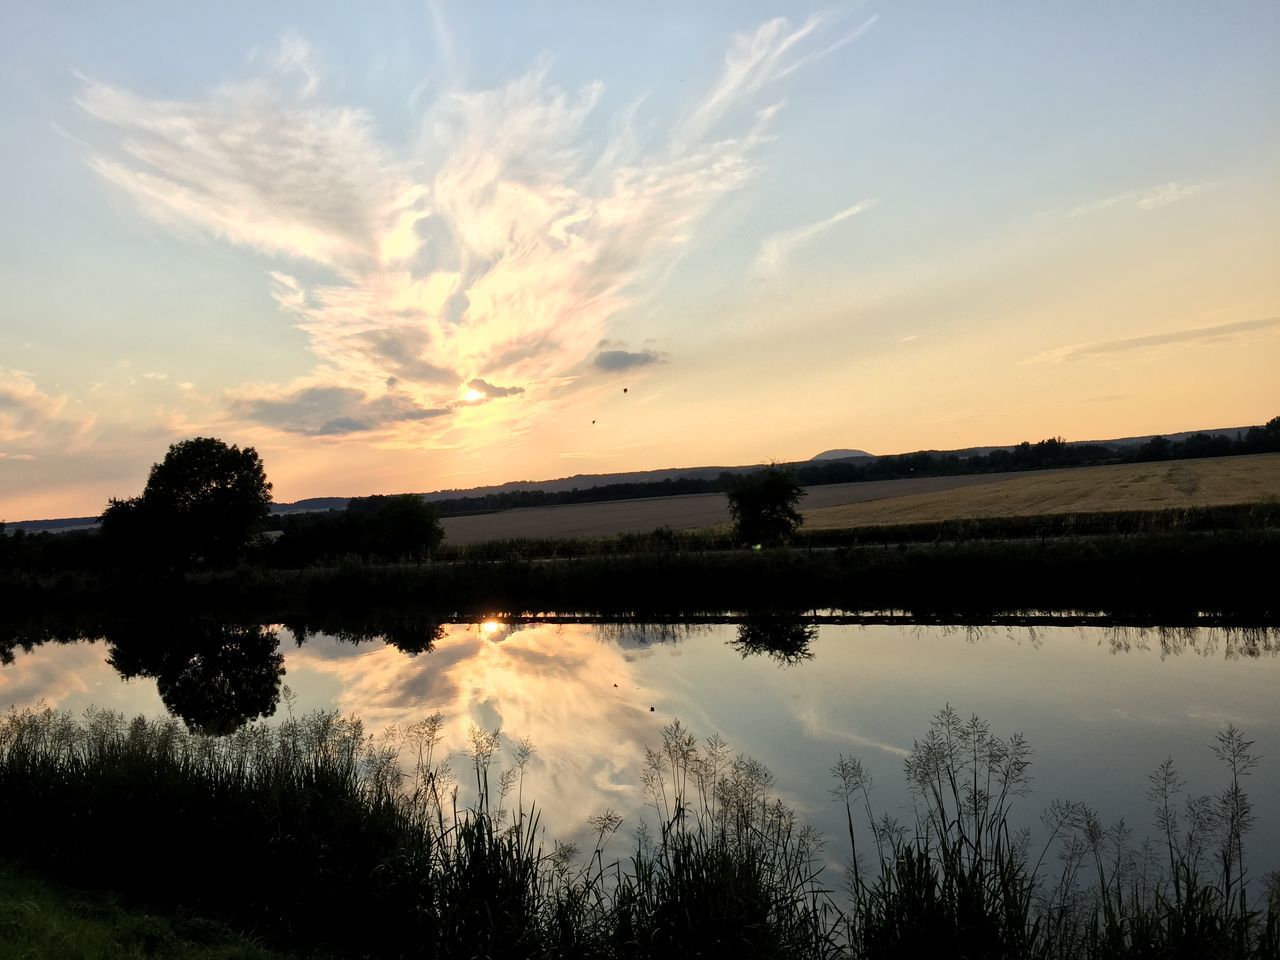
[203, 503]
[763, 505]
[395, 527]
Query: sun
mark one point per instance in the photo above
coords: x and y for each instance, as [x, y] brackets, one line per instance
[489, 628]
[472, 395]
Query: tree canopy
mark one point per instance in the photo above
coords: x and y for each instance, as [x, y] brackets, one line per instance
[203, 503]
[763, 505]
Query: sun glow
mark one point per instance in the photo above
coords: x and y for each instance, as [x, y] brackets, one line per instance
[489, 628]
[473, 395]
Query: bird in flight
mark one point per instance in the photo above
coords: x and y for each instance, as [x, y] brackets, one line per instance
[624, 389]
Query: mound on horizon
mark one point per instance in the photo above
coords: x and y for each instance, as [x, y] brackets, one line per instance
[843, 455]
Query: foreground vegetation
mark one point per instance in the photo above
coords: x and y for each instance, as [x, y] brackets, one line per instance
[319, 838]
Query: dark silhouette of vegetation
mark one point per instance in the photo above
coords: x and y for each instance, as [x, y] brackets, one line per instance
[401, 527]
[203, 504]
[763, 506]
[1161, 573]
[292, 830]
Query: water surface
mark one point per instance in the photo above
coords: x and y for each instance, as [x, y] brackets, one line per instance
[1100, 706]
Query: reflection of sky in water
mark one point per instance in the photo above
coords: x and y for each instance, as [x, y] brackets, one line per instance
[1100, 718]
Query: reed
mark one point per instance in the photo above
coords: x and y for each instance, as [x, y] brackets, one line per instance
[314, 836]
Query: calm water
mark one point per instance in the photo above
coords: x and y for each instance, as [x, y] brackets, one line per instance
[1101, 707]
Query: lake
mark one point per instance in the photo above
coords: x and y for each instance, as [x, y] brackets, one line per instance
[1101, 706]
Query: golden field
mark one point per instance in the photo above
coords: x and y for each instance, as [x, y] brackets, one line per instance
[1216, 481]
[1137, 486]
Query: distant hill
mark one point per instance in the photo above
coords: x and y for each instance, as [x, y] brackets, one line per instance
[843, 455]
[585, 481]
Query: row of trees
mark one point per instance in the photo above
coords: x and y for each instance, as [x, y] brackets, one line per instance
[207, 504]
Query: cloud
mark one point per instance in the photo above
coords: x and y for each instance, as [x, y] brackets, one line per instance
[333, 411]
[1217, 333]
[625, 359]
[1150, 199]
[498, 244]
[32, 420]
[755, 60]
[776, 250]
[491, 392]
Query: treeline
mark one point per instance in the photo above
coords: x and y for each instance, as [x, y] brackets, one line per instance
[1054, 452]
[377, 528]
[1155, 577]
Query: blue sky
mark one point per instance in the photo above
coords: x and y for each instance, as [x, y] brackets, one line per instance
[418, 246]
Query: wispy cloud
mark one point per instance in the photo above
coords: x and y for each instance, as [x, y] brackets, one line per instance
[496, 248]
[1216, 333]
[1151, 198]
[776, 250]
[755, 60]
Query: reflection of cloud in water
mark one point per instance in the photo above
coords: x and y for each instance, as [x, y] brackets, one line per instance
[818, 729]
[71, 677]
[49, 678]
[551, 683]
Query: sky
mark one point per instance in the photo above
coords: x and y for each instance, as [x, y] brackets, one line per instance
[422, 246]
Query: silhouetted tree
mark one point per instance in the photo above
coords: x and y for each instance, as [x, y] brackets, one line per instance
[763, 505]
[395, 527]
[204, 502]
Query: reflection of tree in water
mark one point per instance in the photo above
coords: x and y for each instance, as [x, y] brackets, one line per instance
[411, 635]
[215, 676]
[1234, 642]
[787, 640]
[632, 634]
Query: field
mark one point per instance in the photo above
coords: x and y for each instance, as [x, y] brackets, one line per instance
[691, 512]
[1131, 486]
[1141, 486]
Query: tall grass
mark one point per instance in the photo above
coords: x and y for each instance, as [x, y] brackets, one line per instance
[313, 835]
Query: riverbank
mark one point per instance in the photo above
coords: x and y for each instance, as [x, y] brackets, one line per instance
[1159, 575]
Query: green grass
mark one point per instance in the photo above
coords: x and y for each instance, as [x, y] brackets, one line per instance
[43, 921]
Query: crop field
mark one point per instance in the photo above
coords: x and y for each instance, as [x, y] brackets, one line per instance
[691, 512]
[1211, 482]
[1137, 486]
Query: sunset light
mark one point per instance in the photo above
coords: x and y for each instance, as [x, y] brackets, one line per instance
[782, 234]
[532, 448]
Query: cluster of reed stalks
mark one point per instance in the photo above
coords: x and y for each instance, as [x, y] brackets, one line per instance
[313, 835]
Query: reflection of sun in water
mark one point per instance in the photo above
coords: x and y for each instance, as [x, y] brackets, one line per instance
[489, 628]
[472, 395]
